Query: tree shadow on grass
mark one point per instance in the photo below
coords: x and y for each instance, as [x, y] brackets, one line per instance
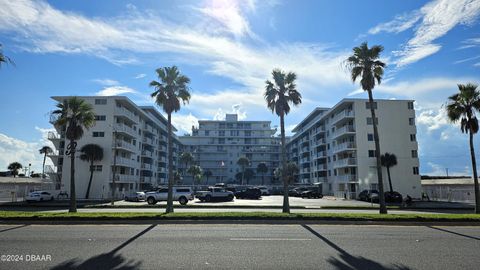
[110, 260]
[350, 262]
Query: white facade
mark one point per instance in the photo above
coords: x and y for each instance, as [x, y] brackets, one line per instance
[335, 146]
[217, 145]
[141, 143]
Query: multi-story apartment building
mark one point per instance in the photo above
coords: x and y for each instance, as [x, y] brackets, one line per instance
[335, 147]
[217, 145]
[137, 133]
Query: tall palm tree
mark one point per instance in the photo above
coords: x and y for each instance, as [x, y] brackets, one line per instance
[78, 116]
[463, 107]
[4, 59]
[389, 160]
[279, 94]
[14, 167]
[45, 151]
[263, 169]
[243, 162]
[91, 153]
[186, 158]
[365, 64]
[197, 173]
[207, 174]
[170, 92]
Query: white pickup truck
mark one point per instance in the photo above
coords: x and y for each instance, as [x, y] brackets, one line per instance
[180, 194]
[214, 193]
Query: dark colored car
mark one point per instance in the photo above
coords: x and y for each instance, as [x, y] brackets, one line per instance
[393, 197]
[312, 193]
[368, 195]
[249, 193]
[296, 192]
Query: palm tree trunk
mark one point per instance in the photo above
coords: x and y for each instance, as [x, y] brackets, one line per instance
[89, 181]
[381, 195]
[73, 196]
[43, 167]
[263, 177]
[286, 206]
[169, 208]
[243, 176]
[475, 176]
[389, 179]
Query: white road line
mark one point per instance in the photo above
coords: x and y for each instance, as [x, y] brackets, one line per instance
[270, 239]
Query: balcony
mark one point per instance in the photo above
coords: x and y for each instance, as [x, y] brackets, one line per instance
[346, 178]
[125, 129]
[124, 112]
[148, 141]
[146, 153]
[319, 141]
[305, 160]
[124, 178]
[305, 170]
[318, 130]
[321, 154]
[346, 162]
[150, 129]
[125, 146]
[348, 129]
[321, 167]
[53, 136]
[127, 162]
[343, 114]
[344, 147]
[146, 166]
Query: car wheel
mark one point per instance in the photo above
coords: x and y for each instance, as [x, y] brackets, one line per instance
[182, 200]
[230, 197]
[208, 198]
[151, 201]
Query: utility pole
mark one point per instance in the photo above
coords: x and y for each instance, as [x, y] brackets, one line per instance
[446, 169]
[114, 165]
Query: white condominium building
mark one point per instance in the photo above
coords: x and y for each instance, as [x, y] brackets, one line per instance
[217, 145]
[138, 133]
[335, 147]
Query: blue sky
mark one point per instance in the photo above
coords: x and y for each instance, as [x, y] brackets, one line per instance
[228, 49]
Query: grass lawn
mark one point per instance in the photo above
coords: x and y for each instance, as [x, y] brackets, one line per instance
[14, 215]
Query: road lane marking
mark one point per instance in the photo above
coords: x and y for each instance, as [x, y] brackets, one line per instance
[270, 239]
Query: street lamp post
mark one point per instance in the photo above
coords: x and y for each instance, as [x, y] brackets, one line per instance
[114, 165]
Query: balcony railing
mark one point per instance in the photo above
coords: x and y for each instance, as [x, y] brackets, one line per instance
[345, 162]
[343, 130]
[344, 146]
[346, 178]
[321, 167]
[147, 153]
[123, 111]
[321, 154]
[54, 136]
[126, 129]
[343, 114]
[121, 161]
[125, 145]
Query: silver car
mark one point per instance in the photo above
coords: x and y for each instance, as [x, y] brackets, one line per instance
[135, 196]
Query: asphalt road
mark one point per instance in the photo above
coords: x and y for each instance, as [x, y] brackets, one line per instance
[240, 247]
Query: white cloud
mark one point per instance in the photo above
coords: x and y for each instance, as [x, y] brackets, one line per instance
[184, 123]
[115, 91]
[433, 119]
[436, 18]
[13, 149]
[106, 82]
[229, 14]
[141, 75]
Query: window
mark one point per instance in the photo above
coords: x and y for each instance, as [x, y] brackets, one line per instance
[413, 137]
[415, 170]
[371, 153]
[98, 134]
[100, 101]
[369, 121]
[367, 105]
[414, 154]
[411, 121]
[207, 132]
[410, 105]
[370, 137]
[100, 117]
[221, 133]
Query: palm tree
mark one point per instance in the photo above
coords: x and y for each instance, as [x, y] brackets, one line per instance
[186, 158]
[463, 107]
[249, 174]
[169, 93]
[14, 167]
[78, 116]
[389, 160]
[364, 63]
[263, 169]
[45, 151]
[196, 173]
[4, 59]
[243, 162]
[279, 94]
[291, 170]
[91, 153]
[207, 174]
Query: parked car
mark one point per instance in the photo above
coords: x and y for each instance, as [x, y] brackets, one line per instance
[368, 195]
[249, 193]
[135, 196]
[393, 197]
[214, 193]
[312, 193]
[38, 196]
[180, 194]
[296, 192]
[264, 190]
